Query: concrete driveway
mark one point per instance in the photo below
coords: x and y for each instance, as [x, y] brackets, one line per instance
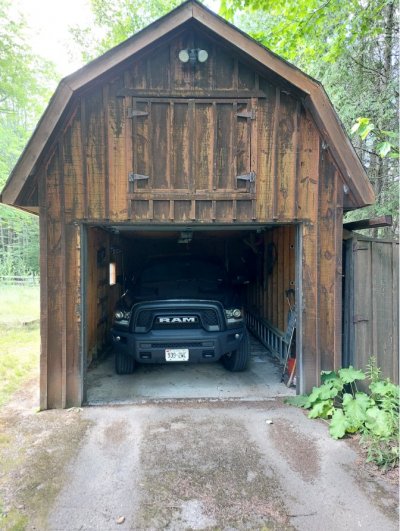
[217, 465]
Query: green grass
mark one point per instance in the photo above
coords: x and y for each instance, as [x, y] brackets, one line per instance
[19, 304]
[19, 343]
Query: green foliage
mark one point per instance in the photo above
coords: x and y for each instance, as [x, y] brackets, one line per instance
[116, 21]
[338, 425]
[26, 83]
[386, 142]
[374, 415]
[352, 47]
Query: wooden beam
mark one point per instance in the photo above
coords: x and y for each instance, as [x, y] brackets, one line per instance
[195, 93]
[373, 223]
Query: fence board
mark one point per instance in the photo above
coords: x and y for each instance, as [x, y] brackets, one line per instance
[372, 305]
[32, 280]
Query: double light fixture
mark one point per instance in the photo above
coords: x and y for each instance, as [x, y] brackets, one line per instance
[193, 56]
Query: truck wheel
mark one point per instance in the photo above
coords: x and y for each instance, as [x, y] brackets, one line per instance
[238, 360]
[124, 364]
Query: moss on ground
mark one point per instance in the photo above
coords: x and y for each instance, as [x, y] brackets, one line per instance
[34, 452]
[208, 472]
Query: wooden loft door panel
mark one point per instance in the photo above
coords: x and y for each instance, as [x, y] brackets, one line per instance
[192, 150]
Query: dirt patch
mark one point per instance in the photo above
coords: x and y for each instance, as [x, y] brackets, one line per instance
[381, 487]
[115, 434]
[34, 449]
[206, 475]
[299, 450]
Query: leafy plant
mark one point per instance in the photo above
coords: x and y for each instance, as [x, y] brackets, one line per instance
[375, 415]
[385, 143]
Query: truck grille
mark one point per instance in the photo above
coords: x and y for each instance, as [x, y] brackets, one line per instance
[144, 318]
[207, 317]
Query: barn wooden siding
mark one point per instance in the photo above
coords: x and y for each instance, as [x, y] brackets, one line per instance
[184, 136]
[371, 305]
[275, 275]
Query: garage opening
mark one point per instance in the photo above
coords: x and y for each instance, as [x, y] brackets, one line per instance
[260, 265]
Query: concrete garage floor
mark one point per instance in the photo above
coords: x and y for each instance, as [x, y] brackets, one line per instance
[262, 381]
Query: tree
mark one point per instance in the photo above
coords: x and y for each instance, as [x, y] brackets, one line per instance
[26, 83]
[116, 21]
[352, 48]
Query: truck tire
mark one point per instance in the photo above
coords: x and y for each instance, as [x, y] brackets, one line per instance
[124, 364]
[238, 360]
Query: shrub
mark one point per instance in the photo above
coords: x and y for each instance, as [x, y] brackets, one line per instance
[375, 415]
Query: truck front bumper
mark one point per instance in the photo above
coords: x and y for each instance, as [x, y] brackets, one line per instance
[151, 347]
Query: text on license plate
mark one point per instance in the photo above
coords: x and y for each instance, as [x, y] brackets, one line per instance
[176, 354]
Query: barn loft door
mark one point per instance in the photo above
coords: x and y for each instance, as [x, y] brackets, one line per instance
[193, 159]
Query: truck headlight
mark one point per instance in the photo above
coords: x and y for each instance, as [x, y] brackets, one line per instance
[234, 313]
[121, 317]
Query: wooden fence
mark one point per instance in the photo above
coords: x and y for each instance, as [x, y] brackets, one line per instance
[32, 280]
[371, 304]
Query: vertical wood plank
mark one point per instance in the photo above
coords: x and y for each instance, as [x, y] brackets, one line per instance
[95, 155]
[204, 144]
[328, 279]
[362, 316]
[192, 152]
[73, 318]
[275, 157]
[307, 179]
[117, 158]
[170, 145]
[287, 148]
[395, 312]
[214, 146]
[286, 270]
[310, 363]
[106, 122]
[280, 278]
[72, 160]
[234, 143]
[338, 293]
[63, 331]
[266, 117]
[84, 157]
[158, 153]
[55, 273]
[129, 147]
[43, 229]
[180, 173]
[383, 293]
[296, 165]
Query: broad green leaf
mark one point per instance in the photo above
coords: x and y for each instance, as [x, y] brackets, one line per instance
[321, 410]
[327, 376]
[384, 388]
[364, 131]
[320, 394]
[298, 401]
[332, 379]
[378, 422]
[338, 425]
[355, 410]
[351, 374]
[384, 148]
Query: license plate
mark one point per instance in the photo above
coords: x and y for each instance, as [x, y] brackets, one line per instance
[176, 354]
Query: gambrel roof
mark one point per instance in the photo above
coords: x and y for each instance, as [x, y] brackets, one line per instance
[314, 97]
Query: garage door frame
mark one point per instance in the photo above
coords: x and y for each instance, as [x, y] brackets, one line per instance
[84, 227]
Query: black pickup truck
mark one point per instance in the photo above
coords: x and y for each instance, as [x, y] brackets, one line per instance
[180, 309]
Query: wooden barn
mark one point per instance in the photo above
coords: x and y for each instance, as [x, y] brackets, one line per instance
[189, 131]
